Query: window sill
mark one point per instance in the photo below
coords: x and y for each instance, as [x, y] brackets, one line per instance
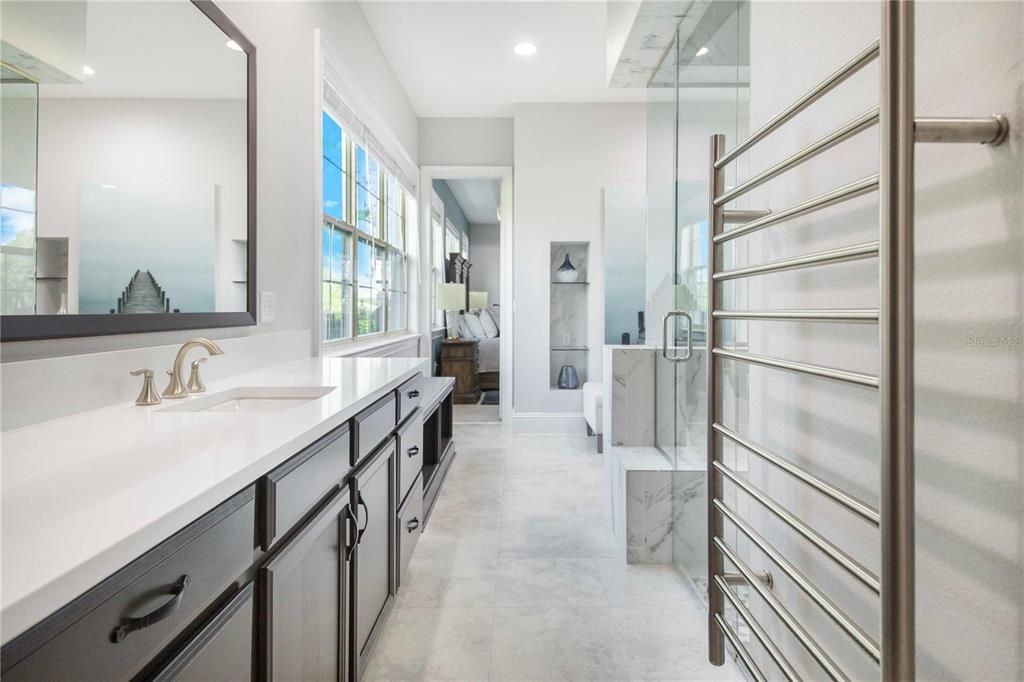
[341, 349]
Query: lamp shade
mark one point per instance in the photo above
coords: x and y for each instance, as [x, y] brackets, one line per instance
[451, 296]
[477, 300]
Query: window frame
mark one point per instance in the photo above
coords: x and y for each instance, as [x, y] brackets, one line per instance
[378, 240]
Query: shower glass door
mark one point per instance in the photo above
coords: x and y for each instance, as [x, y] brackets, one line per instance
[701, 89]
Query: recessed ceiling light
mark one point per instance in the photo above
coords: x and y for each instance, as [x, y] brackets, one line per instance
[108, 186]
[234, 46]
[525, 49]
[88, 70]
[702, 51]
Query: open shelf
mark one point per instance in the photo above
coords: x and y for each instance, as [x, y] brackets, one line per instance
[569, 304]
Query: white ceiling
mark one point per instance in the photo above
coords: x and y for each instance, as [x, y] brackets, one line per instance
[162, 49]
[456, 58]
[478, 198]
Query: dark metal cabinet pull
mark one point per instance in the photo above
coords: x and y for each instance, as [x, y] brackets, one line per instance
[176, 592]
[412, 525]
[359, 535]
[414, 450]
[413, 394]
[353, 521]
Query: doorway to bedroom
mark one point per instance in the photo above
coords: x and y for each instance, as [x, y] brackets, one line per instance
[466, 239]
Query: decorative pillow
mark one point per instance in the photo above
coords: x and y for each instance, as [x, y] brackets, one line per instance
[474, 325]
[464, 332]
[495, 312]
[488, 323]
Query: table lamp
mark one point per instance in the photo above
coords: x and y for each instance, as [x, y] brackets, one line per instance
[451, 297]
[477, 300]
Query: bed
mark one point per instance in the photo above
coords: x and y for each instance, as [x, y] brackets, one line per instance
[489, 344]
[488, 366]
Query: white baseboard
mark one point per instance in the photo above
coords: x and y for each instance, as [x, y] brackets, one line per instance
[549, 422]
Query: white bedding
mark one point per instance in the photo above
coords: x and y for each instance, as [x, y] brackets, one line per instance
[488, 355]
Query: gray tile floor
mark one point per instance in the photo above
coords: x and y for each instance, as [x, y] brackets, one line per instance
[517, 577]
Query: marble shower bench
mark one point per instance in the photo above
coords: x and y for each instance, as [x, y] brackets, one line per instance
[657, 511]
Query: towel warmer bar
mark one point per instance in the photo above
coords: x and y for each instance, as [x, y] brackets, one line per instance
[895, 519]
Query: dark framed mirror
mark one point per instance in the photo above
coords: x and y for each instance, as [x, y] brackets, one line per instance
[128, 174]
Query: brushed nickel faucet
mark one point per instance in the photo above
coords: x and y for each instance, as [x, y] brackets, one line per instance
[177, 388]
[148, 396]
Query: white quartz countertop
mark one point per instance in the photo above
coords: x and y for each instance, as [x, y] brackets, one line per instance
[84, 495]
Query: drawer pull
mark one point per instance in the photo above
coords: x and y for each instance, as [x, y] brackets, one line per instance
[163, 611]
[359, 534]
[351, 519]
[413, 394]
[412, 525]
[414, 450]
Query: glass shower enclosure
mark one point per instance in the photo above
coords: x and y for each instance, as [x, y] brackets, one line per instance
[700, 89]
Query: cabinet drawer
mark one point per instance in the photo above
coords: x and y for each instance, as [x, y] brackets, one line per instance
[410, 525]
[221, 650]
[410, 454]
[121, 625]
[409, 397]
[372, 426]
[299, 485]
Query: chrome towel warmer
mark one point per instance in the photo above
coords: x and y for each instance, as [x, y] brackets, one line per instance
[895, 383]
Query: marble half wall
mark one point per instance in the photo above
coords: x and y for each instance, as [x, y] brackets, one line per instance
[629, 395]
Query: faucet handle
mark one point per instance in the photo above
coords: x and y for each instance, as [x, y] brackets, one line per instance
[148, 395]
[195, 382]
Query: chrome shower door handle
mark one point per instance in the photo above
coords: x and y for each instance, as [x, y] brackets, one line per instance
[689, 336]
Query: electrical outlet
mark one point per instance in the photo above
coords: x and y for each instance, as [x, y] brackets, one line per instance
[267, 306]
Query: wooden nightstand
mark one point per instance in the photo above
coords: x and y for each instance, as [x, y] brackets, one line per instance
[459, 360]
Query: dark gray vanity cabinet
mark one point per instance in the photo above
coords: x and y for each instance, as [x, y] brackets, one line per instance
[290, 579]
[371, 490]
[303, 592]
[221, 649]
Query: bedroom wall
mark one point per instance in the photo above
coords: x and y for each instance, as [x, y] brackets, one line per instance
[484, 254]
[452, 210]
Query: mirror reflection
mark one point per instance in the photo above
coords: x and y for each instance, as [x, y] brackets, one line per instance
[124, 160]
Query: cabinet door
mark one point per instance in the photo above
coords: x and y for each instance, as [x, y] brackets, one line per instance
[372, 490]
[221, 650]
[303, 594]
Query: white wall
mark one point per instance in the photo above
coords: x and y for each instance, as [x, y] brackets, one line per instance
[564, 155]
[484, 254]
[465, 141]
[283, 35]
[970, 258]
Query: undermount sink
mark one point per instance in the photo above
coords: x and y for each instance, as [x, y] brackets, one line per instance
[253, 399]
